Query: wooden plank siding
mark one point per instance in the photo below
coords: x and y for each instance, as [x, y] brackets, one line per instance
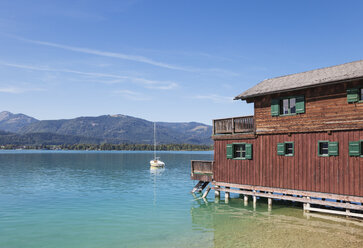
[202, 170]
[304, 171]
[326, 108]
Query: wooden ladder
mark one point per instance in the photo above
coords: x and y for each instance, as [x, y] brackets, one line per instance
[200, 186]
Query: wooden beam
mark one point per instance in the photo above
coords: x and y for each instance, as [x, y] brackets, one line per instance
[328, 211]
[206, 192]
[246, 135]
[293, 192]
[200, 186]
[214, 128]
[296, 199]
[204, 185]
[197, 186]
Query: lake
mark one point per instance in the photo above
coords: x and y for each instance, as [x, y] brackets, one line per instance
[112, 199]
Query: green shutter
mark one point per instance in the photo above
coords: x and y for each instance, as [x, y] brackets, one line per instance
[353, 95]
[300, 104]
[333, 148]
[281, 149]
[354, 148]
[248, 151]
[229, 150]
[275, 107]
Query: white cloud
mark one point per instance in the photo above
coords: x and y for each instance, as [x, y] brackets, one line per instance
[17, 90]
[135, 58]
[132, 95]
[151, 84]
[215, 98]
[168, 86]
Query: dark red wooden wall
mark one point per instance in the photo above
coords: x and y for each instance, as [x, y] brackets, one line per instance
[304, 171]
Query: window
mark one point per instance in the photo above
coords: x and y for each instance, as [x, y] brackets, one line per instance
[328, 148]
[288, 106]
[289, 148]
[356, 148]
[324, 148]
[354, 95]
[239, 151]
[285, 149]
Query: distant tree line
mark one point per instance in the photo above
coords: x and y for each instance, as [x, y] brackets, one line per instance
[112, 147]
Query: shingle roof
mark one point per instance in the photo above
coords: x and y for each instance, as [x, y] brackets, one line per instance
[305, 79]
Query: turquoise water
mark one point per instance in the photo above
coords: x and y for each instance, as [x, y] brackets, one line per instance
[112, 199]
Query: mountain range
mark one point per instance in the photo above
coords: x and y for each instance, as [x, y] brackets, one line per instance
[20, 129]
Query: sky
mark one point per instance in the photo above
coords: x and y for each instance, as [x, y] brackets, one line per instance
[173, 61]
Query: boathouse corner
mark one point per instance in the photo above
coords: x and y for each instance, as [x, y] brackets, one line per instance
[304, 142]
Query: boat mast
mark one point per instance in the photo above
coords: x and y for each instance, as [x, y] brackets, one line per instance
[154, 140]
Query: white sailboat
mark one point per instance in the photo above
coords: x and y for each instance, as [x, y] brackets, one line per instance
[156, 163]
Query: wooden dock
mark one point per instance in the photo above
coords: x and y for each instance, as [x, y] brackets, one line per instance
[346, 205]
[323, 202]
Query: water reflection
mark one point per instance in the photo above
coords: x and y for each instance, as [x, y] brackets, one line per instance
[236, 225]
[155, 173]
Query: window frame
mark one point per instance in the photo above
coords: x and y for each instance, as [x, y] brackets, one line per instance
[333, 148]
[248, 151]
[293, 149]
[235, 145]
[285, 149]
[319, 153]
[281, 100]
[277, 105]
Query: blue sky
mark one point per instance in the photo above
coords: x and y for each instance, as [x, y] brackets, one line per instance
[163, 60]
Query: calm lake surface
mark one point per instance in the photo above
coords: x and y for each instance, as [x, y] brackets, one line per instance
[112, 199]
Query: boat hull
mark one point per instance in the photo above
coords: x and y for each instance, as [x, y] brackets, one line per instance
[157, 163]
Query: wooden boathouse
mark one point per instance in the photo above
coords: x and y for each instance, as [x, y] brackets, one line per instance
[304, 142]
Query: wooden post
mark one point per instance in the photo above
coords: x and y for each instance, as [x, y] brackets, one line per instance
[217, 193]
[226, 195]
[254, 199]
[245, 199]
[269, 202]
[232, 125]
[206, 192]
[214, 127]
[307, 204]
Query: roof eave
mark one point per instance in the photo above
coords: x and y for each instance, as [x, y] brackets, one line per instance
[239, 97]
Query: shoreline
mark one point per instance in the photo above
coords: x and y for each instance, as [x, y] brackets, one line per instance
[109, 147]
